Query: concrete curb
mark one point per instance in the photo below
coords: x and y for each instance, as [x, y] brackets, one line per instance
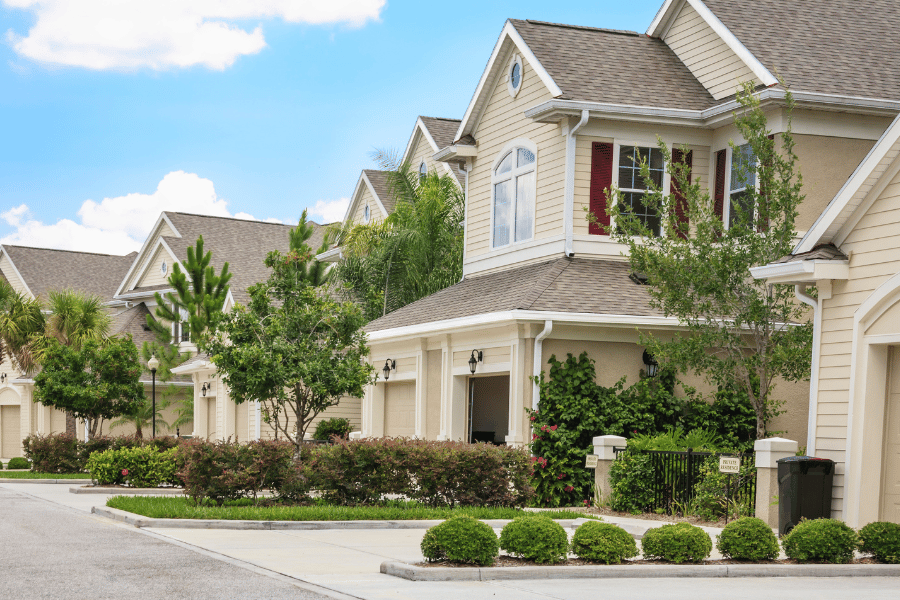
[4, 480]
[127, 491]
[140, 521]
[416, 573]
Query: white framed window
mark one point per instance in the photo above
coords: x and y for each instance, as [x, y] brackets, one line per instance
[366, 214]
[181, 331]
[164, 268]
[515, 73]
[631, 185]
[423, 171]
[741, 181]
[513, 194]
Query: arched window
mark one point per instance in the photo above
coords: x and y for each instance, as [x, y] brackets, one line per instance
[513, 196]
[423, 172]
[366, 214]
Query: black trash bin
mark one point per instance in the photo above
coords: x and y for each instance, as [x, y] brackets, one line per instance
[804, 490]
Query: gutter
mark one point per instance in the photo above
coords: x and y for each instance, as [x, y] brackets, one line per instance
[816, 304]
[538, 349]
[569, 209]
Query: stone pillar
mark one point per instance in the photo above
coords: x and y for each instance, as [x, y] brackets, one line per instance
[604, 449]
[768, 452]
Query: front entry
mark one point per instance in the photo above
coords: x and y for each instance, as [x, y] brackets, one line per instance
[488, 416]
[890, 477]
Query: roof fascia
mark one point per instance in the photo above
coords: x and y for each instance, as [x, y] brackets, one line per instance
[422, 130]
[884, 179]
[194, 367]
[374, 194]
[16, 270]
[163, 217]
[333, 255]
[802, 271]
[455, 152]
[120, 293]
[508, 32]
[354, 198]
[664, 16]
[831, 216]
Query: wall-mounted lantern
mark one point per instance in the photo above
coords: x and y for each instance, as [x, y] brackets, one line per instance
[651, 364]
[477, 357]
[2, 377]
[203, 389]
[389, 365]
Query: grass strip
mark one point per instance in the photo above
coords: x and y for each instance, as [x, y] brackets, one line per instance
[30, 475]
[161, 507]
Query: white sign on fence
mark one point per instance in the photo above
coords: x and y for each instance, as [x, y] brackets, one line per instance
[591, 461]
[729, 464]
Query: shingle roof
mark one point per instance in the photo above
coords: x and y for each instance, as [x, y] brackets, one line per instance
[134, 321]
[243, 244]
[442, 130]
[617, 67]
[46, 270]
[821, 252]
[577, 285]
[847, 47]
[379, 182]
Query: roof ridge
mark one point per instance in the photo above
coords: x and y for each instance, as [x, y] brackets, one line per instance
[586, 28]
[440, 118]
[175, 212]
[70, 251]
[561, 264]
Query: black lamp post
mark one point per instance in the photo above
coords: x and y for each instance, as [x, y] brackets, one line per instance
[651, 364]
[153, 363]
[389, 365]
[477, 357]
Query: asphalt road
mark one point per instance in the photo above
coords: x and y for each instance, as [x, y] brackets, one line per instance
[49, 551]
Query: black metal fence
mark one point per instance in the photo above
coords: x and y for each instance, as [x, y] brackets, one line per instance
[675, 474]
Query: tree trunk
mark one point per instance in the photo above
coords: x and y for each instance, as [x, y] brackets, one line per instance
[137, 430]
[70, 424]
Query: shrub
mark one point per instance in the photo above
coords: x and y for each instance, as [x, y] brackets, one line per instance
[881, 540]
[535, 538]
[716, 493]
[18, 463]
[461, 539]
[139, 466]
[820, 540]
[54, 453]
[630, 481]
[603, 542]
[330, 427]
[748, 538]
[681, 542]
[228, 470]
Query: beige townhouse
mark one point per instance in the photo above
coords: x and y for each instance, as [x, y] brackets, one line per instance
[557, 116]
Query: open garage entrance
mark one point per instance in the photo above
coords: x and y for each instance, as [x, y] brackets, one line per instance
[488, 410]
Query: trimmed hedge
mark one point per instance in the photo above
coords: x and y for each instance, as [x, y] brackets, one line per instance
[678, 543]
[748, 538]
[535, 538]
[138, 466]
[331, 427]
[18, 463]
[461, 539]
[821, 540]
[63, 453]
[603, 542]
[882, 540]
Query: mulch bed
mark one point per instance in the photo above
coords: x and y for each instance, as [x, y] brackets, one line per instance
[512, 561]
[603, 511]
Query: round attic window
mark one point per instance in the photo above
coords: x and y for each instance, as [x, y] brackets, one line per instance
[514, 83]
[163, 268]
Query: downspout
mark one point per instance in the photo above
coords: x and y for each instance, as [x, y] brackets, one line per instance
[569, 209]
[800, 292]
[538, 349]
[465, 169]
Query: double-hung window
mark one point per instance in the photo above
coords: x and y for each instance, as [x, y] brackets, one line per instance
[632, 187]
[513, 189]
[741, 184]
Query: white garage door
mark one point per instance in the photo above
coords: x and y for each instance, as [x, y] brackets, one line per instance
[400, 410]
[10, 432]
[890, 483]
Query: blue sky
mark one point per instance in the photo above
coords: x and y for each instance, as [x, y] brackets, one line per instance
[108, 118]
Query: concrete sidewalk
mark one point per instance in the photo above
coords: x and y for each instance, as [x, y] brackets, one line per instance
[348, 562]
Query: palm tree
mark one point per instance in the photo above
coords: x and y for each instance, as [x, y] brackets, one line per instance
[143, 417]
[21, 325]
[76, 317]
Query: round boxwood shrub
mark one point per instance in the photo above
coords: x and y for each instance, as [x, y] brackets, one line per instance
[680, 542]
[881, 540]
[334, 426]
[820, 540]
[18, 463]
[748, 538]
[461, 539]
[603, 542]
[536, 538]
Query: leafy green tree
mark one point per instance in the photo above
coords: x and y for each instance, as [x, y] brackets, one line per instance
[740, 332]
[416, 251]
[98, 381]
[293, 348]
[300, 255]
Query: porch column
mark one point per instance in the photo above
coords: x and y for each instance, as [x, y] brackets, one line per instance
[201, 427]
[375, 404]
[768, 452]
[604, 449]
[518, 382]
[421, 388]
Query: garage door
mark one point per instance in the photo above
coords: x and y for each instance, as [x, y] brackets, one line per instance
[890, 482]
[211, 418]
[10, 432]
[400, 410]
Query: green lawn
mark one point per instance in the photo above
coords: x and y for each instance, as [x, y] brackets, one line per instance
[161, 507]
[30, 475]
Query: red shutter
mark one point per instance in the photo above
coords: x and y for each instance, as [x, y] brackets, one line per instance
[762, 210]
[719, 204]
[681, 205]
[601, 180]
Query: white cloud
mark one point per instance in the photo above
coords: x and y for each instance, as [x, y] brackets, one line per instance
[329, 211]
[163, 34]
[119, 225]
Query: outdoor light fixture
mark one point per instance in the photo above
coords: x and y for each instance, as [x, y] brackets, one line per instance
[203, 389]
[389, 365]
[651, 364]
[153, 365]
[477, 357]
[2, 377]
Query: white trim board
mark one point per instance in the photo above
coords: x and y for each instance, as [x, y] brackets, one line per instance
[357, 195]
[138, 260]
[16, 270]
[146, 264]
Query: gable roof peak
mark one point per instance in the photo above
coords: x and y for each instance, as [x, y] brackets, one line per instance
[584, 27]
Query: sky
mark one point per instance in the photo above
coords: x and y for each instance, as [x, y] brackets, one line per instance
[114, 110]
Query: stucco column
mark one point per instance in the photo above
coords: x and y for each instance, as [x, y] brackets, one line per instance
[768, 452]
[604, 446]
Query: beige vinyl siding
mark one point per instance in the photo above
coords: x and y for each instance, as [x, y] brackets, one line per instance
[366, 198]
[707, 56]
[6, 266]
[424, 151]
[347, 408]
[142, 273]
[874, 259]
[502, 122]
